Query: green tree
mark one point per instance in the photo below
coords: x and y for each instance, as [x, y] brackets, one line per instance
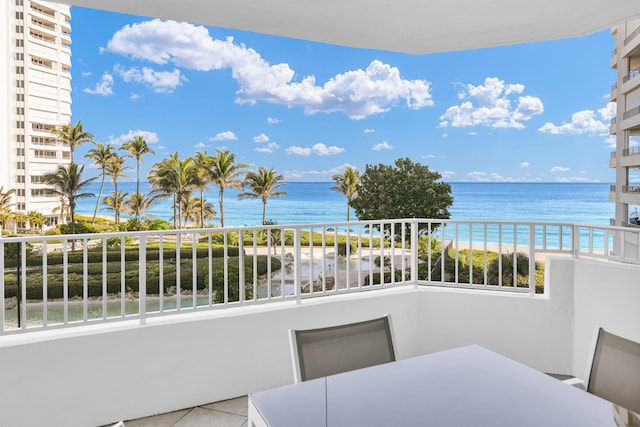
[202, 178]
[173, 177]
[406, 190]
[101, 155]
[116, 203]
[115, 169]
[263, 184]
[36, 220]
[137, 147]
[68, 183]
[136, 204]
[346, 183]
[72, 135]
[226, 173]
[5, 205]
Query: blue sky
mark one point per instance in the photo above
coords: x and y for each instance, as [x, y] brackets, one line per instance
[533, 112]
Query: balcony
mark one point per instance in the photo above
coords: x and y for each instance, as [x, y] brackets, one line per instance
[136, 354]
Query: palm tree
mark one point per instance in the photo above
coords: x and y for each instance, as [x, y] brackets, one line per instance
[115, 203]
[263, 184]
[73, 135]
[137, 204]
[5, 204]
[346, 183]
[36, 220]
[201, 177]
[137, 147]
[225, 173]
[115, 169]
[63, 208]
[173, 177]
[101, 154]
[67, 182]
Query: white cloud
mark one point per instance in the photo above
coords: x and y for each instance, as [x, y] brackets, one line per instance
[104, 87]
[472, 133]
[611, 141]
[200, 145]
[384, 145]
[269, 148]
[493, 177]
[491, 105]
[574, 179]
[609, 111]
[326, 173]
[559, 169]
[585, 121]
[367, 130]
[429, 156]
[86, 74]
[356, 93]
[447, 174]
[322, 150]
[224, 136]
[524, 165]
[150, 137]
[261, 138]
[299, 151]
[318, 149]
[159, 81]
[135, 96]
[273, 120]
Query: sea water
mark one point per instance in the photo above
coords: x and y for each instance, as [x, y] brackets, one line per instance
[315, 202]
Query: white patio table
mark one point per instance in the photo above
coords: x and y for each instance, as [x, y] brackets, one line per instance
[462, 387]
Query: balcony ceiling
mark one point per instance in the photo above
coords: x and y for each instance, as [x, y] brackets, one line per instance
[409, 26]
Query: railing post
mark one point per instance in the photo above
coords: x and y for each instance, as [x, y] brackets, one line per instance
[575, 241]
[297, 264]
[414, 252]
[532, 259]
[142, 279]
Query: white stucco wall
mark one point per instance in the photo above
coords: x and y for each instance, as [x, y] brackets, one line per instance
[99, 374]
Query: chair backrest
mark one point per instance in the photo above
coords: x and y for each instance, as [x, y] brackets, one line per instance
[615, 371]
[326, 351]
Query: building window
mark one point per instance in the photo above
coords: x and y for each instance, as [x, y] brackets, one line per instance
[20, 97]
[19, 70]
[42, 62]
[20, 179]
[20, 165]
[19, 56]
[21, 206]
[42, 192]
[19, 2]
[36, 179]
[20, 83]
[20, 192]
[20, 123]
[19, 138]
[44, 154]
[19, 15]
[20, 151]
[19, 29]
[20, 111]
[40, 140]
[19, 42]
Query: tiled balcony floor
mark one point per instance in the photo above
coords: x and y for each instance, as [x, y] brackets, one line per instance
[228, 413]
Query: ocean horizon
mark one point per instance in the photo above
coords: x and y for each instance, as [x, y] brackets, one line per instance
[315, 202]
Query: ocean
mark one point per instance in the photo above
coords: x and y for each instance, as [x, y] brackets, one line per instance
[315, 202]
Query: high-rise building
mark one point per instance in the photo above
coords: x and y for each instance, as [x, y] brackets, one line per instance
[625, 126]
[36, 81]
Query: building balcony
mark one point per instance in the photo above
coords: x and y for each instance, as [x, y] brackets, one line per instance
[136, 354]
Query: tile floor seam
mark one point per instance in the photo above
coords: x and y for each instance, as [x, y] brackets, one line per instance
[182, 417]
[224, 412]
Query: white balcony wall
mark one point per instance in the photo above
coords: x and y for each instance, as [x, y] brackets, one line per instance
[98, 374]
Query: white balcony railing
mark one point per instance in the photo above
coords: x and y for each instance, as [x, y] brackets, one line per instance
[74, 280]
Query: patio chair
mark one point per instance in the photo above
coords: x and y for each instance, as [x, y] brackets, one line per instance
[331, 350]
[614, 374]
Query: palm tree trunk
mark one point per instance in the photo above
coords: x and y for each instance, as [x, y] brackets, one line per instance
[174, 210]
[221, 195]
[264, 211]
[201, 208]
[95, 212]
[137, 186]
